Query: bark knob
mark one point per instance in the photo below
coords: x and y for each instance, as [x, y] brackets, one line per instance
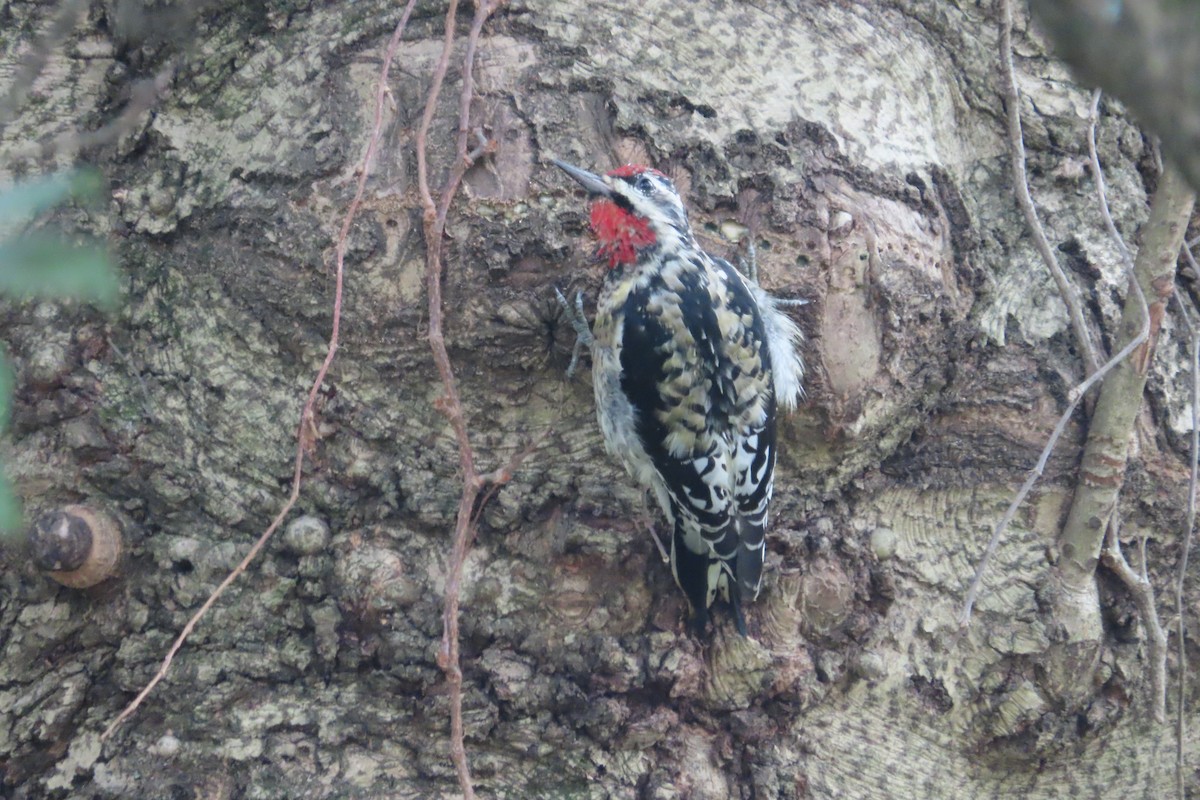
[76, 546]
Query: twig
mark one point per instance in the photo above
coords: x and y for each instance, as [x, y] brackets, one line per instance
[1194, 337]
[1021, 186]
[305, 432]
[1139, 586]
[1101, 190]
[1142, 590]
[1164, 212]
[1191, 260]
[1076, 393]
[1105, 454]
[502, 475]
[964, 616]
[434, 219]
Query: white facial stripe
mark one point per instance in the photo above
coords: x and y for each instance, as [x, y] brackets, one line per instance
[662, 208]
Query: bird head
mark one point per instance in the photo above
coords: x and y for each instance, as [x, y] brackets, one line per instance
[636, 210]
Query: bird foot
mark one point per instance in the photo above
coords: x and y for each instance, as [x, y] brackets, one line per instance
[662, 551]
[790, 302]
[748, 266]
[583, 333]
[748, 263]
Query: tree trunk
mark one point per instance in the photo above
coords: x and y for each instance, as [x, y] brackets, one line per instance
[862, 146]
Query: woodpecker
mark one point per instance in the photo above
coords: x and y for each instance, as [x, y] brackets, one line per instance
[691, 361]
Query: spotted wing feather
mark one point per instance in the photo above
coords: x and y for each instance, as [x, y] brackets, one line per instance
[695, 368]
[750, 405]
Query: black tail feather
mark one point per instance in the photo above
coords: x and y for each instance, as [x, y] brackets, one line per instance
[748, 568]
[691, 573]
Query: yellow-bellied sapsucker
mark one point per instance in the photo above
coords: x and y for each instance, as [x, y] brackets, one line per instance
[690, 362]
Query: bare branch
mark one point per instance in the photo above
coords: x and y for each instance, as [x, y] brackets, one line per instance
[1075, 396]
[1101, 189]
[304, 435]
[964, 617]
[434, 218]
[1021, 186]
[1137, 313]
[1181, 575]
[1102, 468]
[1142, 591]
[1139, 585]
[1191, 260]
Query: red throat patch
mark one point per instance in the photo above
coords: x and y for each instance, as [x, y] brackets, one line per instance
[621, 233]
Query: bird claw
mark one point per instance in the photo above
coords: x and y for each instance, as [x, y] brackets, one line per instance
[748, 266]
[662, 551]
[583, 333]
[791, 301]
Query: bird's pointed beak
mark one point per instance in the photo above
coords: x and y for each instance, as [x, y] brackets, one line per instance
[594, 184]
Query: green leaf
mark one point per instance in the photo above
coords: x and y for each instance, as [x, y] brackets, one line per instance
[45, 266]
[10, 510]
[24, 200]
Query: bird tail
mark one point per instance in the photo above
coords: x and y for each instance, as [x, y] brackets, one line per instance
[748, 565]
[733, 569]
[691, 575]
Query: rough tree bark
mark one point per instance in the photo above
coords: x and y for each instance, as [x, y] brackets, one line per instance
[860, 145]
[1146, 53]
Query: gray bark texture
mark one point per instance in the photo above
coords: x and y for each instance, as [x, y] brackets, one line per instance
[1147, 53]
[863, 148]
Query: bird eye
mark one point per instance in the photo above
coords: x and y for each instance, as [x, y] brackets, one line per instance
[644, 185]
